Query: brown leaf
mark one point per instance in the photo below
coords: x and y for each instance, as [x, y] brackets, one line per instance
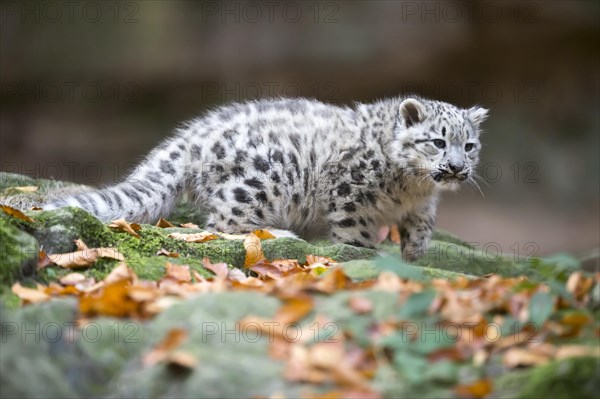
[523, 357]
[120, 272]
[15, 213]
[122, 225]
[111, 300]
[333, 281]
[72, 279]
[29, 295]
[160, 352]
[84, 258]
[263, 234]
[478, 389]
[220, 269]
[195, 237]
[81, 246]
[312, 259]
[266, 269]
[294, 309]
[43, 260]
[163, 223]
[190, 226]
[164, 252]
[179, 273]
[254, 252]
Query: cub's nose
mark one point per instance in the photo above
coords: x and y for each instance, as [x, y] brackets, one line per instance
[456, 167]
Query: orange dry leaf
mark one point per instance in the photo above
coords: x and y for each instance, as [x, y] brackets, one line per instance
[394, 234]
[72, 279]
[263, 234]
[266, 269]
[195, 237]
[220, 269]
[160, 352]
[84, 258]
[164, 252]
[333, 281]
[163, 223]
[312, 259]
[294, 309]
[190, 226]
[254, 252]
[179, 273]
[112, 300]
[122, 225]
[478, 389]
[29, 295]
[15, 213]
[523, 357]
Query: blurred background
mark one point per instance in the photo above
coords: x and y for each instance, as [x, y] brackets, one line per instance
[88, 88]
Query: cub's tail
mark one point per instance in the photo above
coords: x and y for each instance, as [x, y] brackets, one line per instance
[146, 195]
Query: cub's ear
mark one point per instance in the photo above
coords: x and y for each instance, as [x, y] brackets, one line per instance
[477, 115]
[412, 111]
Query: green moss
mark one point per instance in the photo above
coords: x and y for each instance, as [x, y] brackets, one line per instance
[18, 254]
[568, 378]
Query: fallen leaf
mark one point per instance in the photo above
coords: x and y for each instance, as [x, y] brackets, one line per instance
[263, 234]
[294, 309]
[566, 351]
[478, 389]
[179, 273]
[29, 295]
[189, 226]
[84, 258]
[15, 213]
[312, 259]
[163, 223]
[164, 252]
[120, 272]
[220, 269]
[181, 359]
[195, 237]
[122, 225]
[523, 357]
[72, 279]
[81, 246]
[159, 353]
[254, 252]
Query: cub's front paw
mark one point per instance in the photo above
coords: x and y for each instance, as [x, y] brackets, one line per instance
[412, 251]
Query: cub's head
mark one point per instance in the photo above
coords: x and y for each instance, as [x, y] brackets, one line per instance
[437, 142]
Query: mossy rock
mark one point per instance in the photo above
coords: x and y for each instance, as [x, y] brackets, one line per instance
[568, 378]
[18, 254]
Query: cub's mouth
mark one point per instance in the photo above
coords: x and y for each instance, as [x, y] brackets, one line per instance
[446, 177]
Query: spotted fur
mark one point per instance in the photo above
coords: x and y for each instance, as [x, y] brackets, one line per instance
[312, 168]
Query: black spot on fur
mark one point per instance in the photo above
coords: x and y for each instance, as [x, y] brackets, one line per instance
[255, 183]
[259, 213]
[220, 194]
[166, 167]
[348, 222]
[262, 196]
[174, 155]
[237, 211]
[219, 150]
[241, 195]
[362, 221]
[278, 156]
[196, 151]
[275, 177]
[260, 163]
[343, 189]
[296, 198]
[231, 222]
[350, 207]
[332, 207]
[276, 192]
[365, 234]
[295, 139]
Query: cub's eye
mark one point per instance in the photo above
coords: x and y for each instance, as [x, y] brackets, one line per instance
[469, 147]
[439, 143]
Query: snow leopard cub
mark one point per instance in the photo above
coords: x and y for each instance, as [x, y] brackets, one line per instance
[302, 165]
